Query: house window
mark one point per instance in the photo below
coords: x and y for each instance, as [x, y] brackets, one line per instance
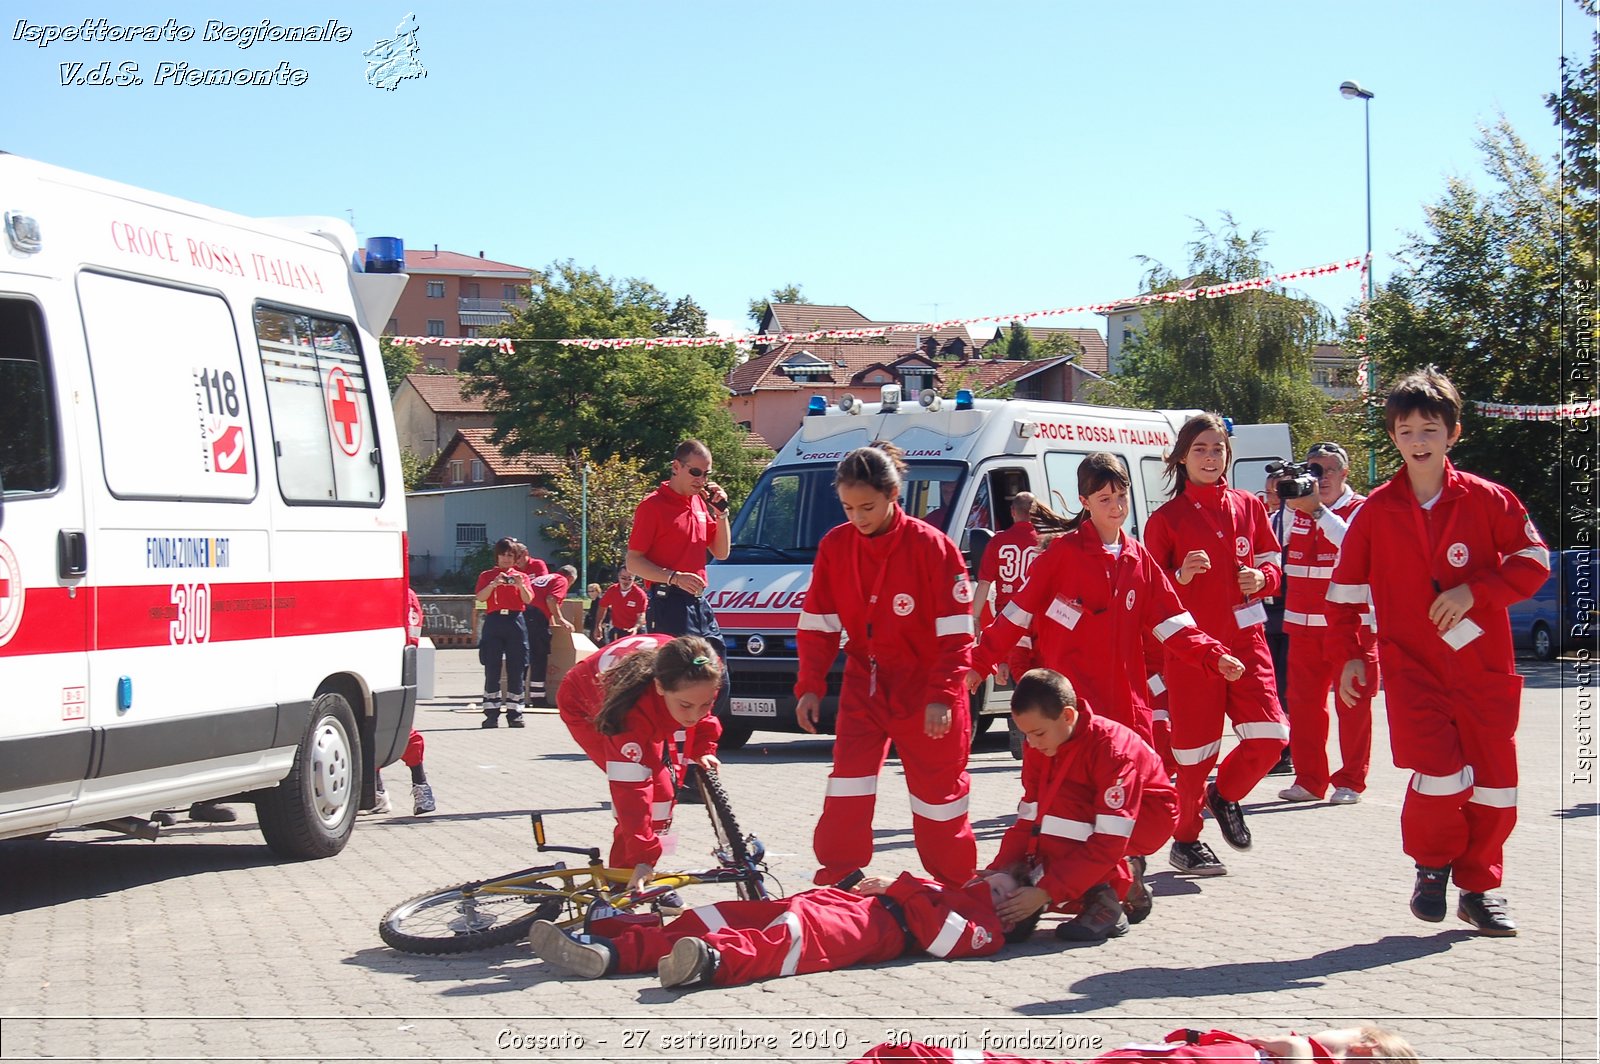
[393, 327]
[508, 292]
[470, 537]
[916, 381]
[1321, 377]
[458, 471]
[477, 471]
[435, 363]
[469, 331]
[435, 327]
[435, 289]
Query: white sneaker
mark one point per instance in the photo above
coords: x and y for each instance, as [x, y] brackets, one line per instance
[422, 799]
[1298, 793]
[1345, 796]
[382, 805]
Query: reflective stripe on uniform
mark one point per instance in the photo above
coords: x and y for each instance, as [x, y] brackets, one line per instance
[660, 810]
[939, 810]
[949, 935]
[956, 624]
[1538, 554]
[1062, 828]
[627, 772]
[1320, 572]
[1194, 755]
[1160, 714]
[1017, 615]
[1174, 624]
[1261, 729]
[1351, 594]
[851, 786]
[1498, 797]
[1026, 642]
[1109, 824]
[1273, 557]
[791, 960]
[711, 916]
[1027, 810]
[1310, 620]
[820, 622]
[1442, 786]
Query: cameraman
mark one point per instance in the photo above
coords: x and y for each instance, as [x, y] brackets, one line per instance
[1279, 516]
[1310, 550]
[674, 528]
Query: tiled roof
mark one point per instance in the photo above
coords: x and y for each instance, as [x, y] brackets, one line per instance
[426, 260]
[754, 439]
[442, 393]
[849, 361]
[501, 465]
[809, 317]
[1096, 356]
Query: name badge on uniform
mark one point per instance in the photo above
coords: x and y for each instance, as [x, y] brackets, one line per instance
[1064, 613]
[1250, 616]
[1463, 633]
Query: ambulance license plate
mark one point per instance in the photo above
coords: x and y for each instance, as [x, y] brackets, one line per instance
[755, 707]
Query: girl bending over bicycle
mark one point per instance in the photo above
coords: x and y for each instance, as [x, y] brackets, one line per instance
[626, 706]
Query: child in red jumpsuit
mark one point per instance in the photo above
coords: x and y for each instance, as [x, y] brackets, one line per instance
[818, 930]
[1441, 554]
[1091, 599]
[899, 587]
[1325, 1047]
[1003, 570]
[1217, 544]
[622, 705]
[1095, 801]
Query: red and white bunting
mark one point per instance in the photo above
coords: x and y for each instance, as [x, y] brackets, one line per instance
[505, 344]
[1558, 412]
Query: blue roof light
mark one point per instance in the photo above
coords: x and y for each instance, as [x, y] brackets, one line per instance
[963, 398]
[385, 254]
[1228, 424]
[818, 405]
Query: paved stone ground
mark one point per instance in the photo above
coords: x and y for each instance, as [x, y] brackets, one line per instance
[202, 946]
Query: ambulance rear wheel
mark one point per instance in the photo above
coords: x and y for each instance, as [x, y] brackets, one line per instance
[312, 811]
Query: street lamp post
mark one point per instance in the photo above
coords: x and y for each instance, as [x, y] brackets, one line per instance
[1352, 90]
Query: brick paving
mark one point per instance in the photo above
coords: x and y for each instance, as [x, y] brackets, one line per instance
[202, 946]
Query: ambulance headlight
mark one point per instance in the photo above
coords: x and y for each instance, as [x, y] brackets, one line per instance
[890, 398]
[817, 406]
[964, 399]
[850, 404]
[929, 400]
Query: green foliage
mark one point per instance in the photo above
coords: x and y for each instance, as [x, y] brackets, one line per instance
[1057, 344]
[630, 402]
[1482, 298]
[398, 360]
[1575, 108]
[616, 485]
[789, 293]
[413, 467]
[1246, 356]
[1019, 344]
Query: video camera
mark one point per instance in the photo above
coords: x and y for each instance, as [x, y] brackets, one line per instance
[1296, 480]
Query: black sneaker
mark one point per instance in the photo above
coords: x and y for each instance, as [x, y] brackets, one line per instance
[1428, 896]
[671, 902]
[691, 963]
[1139, 901]
[212, 813]
[1285, 765]
[1100, 918]
[1196, 859]
[585, 956]
[514, 720]
[490, 722]
[1486, 912]
[1229, 817]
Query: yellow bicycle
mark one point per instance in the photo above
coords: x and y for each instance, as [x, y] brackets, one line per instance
[499, 911]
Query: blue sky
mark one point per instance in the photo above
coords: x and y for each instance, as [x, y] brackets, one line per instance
[894, 156]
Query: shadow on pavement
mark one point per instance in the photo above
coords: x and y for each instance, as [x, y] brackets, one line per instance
[1107, 989]
[1547, 675]
[1576, 811]
[42, 873]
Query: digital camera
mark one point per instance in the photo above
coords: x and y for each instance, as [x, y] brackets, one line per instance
[1296, 480]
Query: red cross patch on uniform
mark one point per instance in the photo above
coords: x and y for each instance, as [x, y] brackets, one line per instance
[632, 752]
[903, 605]
[980, 938]
[1116, 796]
[1241, 547]
[1131, 592]
[1457, 554]
[963, 590]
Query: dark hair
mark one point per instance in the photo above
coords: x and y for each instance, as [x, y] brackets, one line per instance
[506, 545]
[1186, 436]
[1024, 928]
[1428, 392]
[1043, 691]
[879, 465]
[569, 572]
[688, 449]
[687, 659]
[1095, 472]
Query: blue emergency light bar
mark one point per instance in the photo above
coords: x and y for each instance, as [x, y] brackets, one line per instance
[385, 254]
[818, 405]
[964, 399]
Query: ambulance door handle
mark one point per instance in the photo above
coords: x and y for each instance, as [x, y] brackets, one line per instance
[72, 554]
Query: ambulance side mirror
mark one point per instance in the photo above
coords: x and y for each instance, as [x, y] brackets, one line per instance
[977, 542]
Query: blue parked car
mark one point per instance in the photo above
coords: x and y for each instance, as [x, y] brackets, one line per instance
[1563, 611]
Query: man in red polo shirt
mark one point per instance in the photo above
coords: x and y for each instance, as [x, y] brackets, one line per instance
[627, 601]
[674, 529]
[549, 591]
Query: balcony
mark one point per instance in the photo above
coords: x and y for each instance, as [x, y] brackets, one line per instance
[474, 305]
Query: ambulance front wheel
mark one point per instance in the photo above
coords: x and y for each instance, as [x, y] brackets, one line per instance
[312, 811]
[735, 733]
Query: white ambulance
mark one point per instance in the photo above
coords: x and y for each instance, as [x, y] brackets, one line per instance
[202, 520]
[968, 459]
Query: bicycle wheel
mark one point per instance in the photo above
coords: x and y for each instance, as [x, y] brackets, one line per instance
[730, 840]
[452, 921]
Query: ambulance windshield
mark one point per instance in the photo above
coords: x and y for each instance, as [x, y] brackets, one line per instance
[792, 507]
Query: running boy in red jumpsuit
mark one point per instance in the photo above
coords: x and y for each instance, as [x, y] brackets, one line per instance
[1003, 570]
[1095, 801]
[1440, 554]
[818, 930]
[1217, 544]
[1325, 1047]
[899, 588]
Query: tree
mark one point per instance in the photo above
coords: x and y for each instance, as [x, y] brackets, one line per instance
[398, 360]
[615, 487]
[1019, 343]
[1483, 298]
[1057, 344]
[789, 293]
[413, 467]
[1246, 356]
[1577, 110]
[631, 402]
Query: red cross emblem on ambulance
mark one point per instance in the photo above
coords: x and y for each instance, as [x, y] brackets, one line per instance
[344, 413]
[12, 593]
